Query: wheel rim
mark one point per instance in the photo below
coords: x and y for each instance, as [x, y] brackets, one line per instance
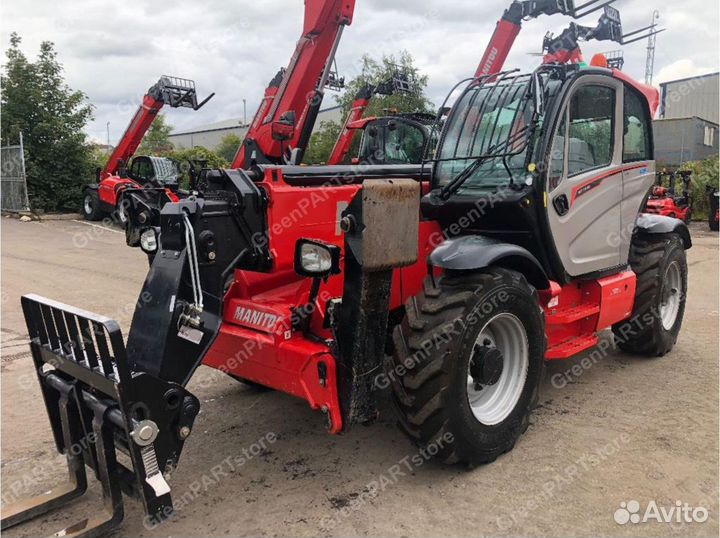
[491, 404]
[671, 296]
[87, 205]
[122, 216]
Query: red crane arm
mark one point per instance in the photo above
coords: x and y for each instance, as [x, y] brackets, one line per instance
[347, 134]
[134, 133]
[173, 91]
[510, 24]
[285, 121]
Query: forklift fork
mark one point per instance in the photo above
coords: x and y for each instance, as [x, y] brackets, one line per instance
[98, 405]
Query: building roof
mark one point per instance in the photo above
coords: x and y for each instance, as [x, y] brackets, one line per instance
[685, 118]
[690, 78]
[217, 126]
[235, 123]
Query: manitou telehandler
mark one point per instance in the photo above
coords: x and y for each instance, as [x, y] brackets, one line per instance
[664, 199]
[524, 244]
[120, 172]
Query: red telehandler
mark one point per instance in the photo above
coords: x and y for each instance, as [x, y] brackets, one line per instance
[515, 251]
[120, 173]
[664, 199]
[404, 139]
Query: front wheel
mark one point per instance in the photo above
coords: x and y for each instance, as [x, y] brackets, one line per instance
[469, 357]
[661, 268]
[91, 205]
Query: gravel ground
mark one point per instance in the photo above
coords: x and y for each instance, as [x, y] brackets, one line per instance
[624, 429]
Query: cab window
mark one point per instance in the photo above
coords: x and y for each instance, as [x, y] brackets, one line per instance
[636, 138]
[590, 129]
[142, 170]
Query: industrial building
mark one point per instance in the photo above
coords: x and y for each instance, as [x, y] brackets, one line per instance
[210, 135]
[687, 129]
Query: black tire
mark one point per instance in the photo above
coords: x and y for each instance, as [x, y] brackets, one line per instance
[714, 225]
[91, 205]
[650, 259]
[429, 385]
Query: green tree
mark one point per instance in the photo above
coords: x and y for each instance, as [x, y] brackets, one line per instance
[228, 147]
[322, 142]
[157, 140]
[377, 72]
[37, 102]
[373, 72]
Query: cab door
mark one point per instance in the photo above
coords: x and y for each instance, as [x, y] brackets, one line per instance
[584, 180]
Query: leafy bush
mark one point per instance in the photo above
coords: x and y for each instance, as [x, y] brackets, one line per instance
[705, 173]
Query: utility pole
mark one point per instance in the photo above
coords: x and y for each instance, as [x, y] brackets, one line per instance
[652, 40]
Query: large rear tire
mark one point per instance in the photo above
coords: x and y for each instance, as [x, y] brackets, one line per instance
[661, 268]
[468, 361]
[91, 205]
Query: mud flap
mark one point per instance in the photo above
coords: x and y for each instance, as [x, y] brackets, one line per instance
[100, 409]
[381, 233]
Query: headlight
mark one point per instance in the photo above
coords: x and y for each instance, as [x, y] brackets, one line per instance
[148, 240]
[316, 259]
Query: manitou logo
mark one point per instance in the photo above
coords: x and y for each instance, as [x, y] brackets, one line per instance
[629, 512]
[261, 320]
[488, 63]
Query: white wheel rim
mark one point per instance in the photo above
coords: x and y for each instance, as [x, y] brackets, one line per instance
[492, 404]
[87, 204]
[122, 217]
[671, 295]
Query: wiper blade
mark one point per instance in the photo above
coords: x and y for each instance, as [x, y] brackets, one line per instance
[494, 152]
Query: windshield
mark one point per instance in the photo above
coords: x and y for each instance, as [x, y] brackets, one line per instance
[489, 122]
[166, 171]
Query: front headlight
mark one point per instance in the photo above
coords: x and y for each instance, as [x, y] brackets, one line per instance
[316, 259]
[148, 240]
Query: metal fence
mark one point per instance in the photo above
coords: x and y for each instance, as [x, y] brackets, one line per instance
[13, 184]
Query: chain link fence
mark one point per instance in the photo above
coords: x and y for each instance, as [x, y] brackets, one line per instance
[13, 184]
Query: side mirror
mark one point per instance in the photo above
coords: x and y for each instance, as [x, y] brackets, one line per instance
[284, 128]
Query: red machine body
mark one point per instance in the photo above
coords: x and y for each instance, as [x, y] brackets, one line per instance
[664, 200]
[287, 114]
[257, 340]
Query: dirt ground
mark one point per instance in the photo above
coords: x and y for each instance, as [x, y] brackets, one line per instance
[261, 464]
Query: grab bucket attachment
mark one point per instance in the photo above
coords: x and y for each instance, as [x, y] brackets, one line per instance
[99, 409]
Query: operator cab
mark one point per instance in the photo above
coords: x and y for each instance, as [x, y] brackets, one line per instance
[158, 171]
[400, 139]
[557, 162]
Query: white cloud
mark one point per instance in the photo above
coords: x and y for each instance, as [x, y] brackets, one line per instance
[115, 51]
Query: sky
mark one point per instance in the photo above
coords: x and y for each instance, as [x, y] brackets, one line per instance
[113, 51]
